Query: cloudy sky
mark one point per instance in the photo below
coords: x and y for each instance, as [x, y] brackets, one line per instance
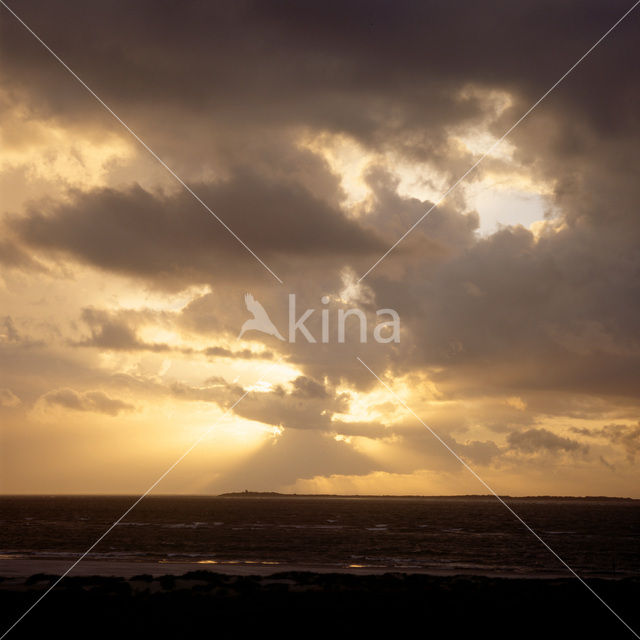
[319, 133]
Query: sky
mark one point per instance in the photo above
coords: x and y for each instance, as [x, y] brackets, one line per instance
[319, 134]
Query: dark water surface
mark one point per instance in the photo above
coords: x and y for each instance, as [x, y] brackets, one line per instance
[597, 538]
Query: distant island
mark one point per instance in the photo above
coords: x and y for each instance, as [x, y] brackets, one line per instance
[274, 494]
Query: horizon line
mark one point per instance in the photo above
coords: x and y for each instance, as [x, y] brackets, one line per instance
[251, 493]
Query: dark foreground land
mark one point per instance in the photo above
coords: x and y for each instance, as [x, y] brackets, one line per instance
[310, 605]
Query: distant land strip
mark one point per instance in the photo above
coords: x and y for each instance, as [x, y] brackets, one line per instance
[275, 494]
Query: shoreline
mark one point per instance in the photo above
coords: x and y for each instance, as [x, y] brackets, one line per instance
[24, 568]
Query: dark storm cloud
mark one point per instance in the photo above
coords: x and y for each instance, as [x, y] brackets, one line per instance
[520, 313]
[171, 242]
[248, 62]
[96, 401]
[202, 80]
[535, 440]
[477, 451]
[444, 232]
[284, 63]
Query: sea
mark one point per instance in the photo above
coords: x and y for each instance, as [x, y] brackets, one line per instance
[443, 536]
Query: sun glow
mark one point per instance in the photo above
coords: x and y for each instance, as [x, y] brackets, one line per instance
[44, 149]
